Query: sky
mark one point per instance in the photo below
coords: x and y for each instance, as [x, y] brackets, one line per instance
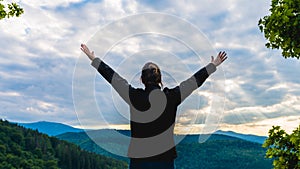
[45, 77]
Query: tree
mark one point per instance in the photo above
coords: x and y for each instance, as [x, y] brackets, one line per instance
[282, 27]
[12, 10]
[284, 148]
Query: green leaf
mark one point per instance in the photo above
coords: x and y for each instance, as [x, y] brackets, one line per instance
[281, 27]
[13, 10]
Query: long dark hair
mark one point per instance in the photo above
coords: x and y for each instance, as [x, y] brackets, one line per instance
[151, 74]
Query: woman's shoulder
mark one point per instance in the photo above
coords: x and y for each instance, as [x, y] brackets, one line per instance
[171, 90]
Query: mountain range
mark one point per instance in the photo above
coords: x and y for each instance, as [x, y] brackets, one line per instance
[55, 129]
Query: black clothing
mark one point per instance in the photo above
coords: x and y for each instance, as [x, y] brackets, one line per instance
[152, 112]
[136, 164]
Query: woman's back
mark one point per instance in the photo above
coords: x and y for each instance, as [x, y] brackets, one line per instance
[152, 110]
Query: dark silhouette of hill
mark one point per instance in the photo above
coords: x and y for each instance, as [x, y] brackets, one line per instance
[27, 149]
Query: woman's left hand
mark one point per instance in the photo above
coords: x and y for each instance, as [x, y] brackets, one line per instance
[86, 50]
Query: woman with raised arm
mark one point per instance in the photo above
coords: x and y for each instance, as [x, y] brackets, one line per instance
[152, 110]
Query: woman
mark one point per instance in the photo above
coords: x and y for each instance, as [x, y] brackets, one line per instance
[152, 110]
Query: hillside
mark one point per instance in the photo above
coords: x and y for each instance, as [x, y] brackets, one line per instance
[27, 149]
[218, 152]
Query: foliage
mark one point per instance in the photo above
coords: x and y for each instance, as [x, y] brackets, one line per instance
[29, 149]
[283, 148]
[12, 10]
[282, 27]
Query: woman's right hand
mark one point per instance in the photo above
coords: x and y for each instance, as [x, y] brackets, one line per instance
[222, 56]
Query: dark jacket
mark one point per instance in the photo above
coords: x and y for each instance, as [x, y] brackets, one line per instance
[152, 112]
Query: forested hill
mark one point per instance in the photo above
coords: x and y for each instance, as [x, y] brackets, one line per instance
[27, 149]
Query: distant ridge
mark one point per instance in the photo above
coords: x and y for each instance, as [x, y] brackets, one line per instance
[50, 128]
[247, 137]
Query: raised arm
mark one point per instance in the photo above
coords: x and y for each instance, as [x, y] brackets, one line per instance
[118, 83]
[188, 86]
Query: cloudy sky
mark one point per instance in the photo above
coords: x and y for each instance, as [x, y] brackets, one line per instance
[45, 77]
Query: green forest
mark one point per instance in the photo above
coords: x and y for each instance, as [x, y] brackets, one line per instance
[22, 148]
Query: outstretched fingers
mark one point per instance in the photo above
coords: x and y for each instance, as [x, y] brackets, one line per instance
[222, 56]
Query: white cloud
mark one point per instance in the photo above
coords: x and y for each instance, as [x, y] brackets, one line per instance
[289, 87]
[50, 4]
[288, 123]
[289, 106]
[11, 93]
